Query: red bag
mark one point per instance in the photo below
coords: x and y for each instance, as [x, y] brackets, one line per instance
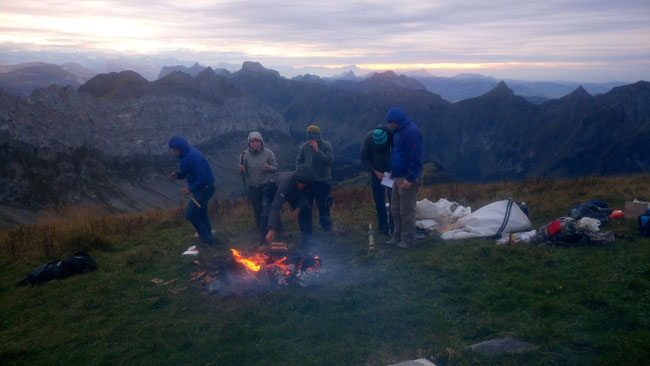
[554, 227]
[617, 214]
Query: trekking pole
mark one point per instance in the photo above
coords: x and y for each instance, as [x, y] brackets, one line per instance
[243, 173]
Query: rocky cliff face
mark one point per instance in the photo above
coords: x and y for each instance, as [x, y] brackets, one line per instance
[107, 142]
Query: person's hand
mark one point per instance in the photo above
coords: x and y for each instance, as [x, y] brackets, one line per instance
[406, 185]
[266, 167]
[314, 145]
[185, 190]
[241, 168]
[269, 236]
[294, 214]
[171, 176]
[379, 174]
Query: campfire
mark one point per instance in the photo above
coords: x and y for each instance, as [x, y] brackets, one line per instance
[276, 267]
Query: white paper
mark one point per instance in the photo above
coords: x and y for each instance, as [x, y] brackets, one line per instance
[191, 251]
[387, 181]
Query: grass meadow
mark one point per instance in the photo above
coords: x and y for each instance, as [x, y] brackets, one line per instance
[578, 305]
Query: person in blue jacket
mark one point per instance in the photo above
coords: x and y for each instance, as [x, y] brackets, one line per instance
[195, 168]
[406, 165]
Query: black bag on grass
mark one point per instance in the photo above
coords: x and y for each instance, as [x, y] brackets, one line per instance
[79, 263]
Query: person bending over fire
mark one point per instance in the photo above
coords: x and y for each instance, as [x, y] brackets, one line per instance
[195, 168]
[292, 187]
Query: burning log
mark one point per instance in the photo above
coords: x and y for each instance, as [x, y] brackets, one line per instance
[252, 272]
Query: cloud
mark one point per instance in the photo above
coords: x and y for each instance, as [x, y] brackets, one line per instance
[342, 32]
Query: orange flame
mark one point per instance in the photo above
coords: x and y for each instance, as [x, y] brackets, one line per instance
[253, 264]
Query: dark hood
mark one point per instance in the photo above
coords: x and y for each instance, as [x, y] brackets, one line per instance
[181, 144]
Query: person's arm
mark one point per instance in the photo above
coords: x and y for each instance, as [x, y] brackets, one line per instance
[325, 153]
[273, 164]
[366, 155]
[414, 155]
[274, 210]
[300, 159]
[203, 172]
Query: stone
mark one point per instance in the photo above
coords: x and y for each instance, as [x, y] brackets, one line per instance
[503, 345]
[418, 362]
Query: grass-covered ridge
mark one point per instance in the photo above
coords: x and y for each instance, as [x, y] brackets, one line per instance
[580, 306]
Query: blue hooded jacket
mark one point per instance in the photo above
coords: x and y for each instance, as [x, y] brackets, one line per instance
[192, 164]
[406, 159]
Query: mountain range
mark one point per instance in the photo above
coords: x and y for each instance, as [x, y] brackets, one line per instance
[106, 141]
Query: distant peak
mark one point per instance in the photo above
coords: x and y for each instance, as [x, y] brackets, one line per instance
[206, 73]
[501, 90]
[252, 66]
[257, 68]
[578, 94]
[390, 74]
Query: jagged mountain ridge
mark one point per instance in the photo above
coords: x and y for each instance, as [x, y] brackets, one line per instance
[114, 131]
[107, 142]
[497, 135]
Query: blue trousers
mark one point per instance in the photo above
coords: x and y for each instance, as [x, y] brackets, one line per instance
[320, 191]
[198, 216]
[385, 222]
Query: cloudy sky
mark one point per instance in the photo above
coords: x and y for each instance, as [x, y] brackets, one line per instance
[583, 40]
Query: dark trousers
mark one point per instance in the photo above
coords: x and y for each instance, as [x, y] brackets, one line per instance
[320, 191]
[385, 222]
[304, 221]
[256, 198]
[198, 216]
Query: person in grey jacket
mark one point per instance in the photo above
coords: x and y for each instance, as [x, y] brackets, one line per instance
[257, 165]
[318, 154]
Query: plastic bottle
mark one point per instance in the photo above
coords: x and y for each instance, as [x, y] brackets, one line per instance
[371, 238]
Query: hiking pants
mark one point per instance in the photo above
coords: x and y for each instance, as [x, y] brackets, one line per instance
[403, 210]
[384, 224]
[198, 216]
[320, 191]
[256, 198]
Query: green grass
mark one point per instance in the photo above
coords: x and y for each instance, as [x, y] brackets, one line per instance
[579, 306]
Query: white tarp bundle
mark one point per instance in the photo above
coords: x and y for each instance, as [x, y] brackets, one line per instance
[493, 219]
[429, 215]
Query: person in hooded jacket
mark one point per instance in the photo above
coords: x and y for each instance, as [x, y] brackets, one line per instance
[257, 165]
[375, 157]
[293, 188]
[406, 165]
[195, 168]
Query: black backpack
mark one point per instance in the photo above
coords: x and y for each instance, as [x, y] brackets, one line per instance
[79, 263]
[644, 223]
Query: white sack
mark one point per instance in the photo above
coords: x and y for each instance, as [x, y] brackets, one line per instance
[427, 224]
[440, 212]
[488, 220]
[459, 212]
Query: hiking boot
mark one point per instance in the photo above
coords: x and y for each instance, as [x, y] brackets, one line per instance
[403, 245]
[391, 242]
